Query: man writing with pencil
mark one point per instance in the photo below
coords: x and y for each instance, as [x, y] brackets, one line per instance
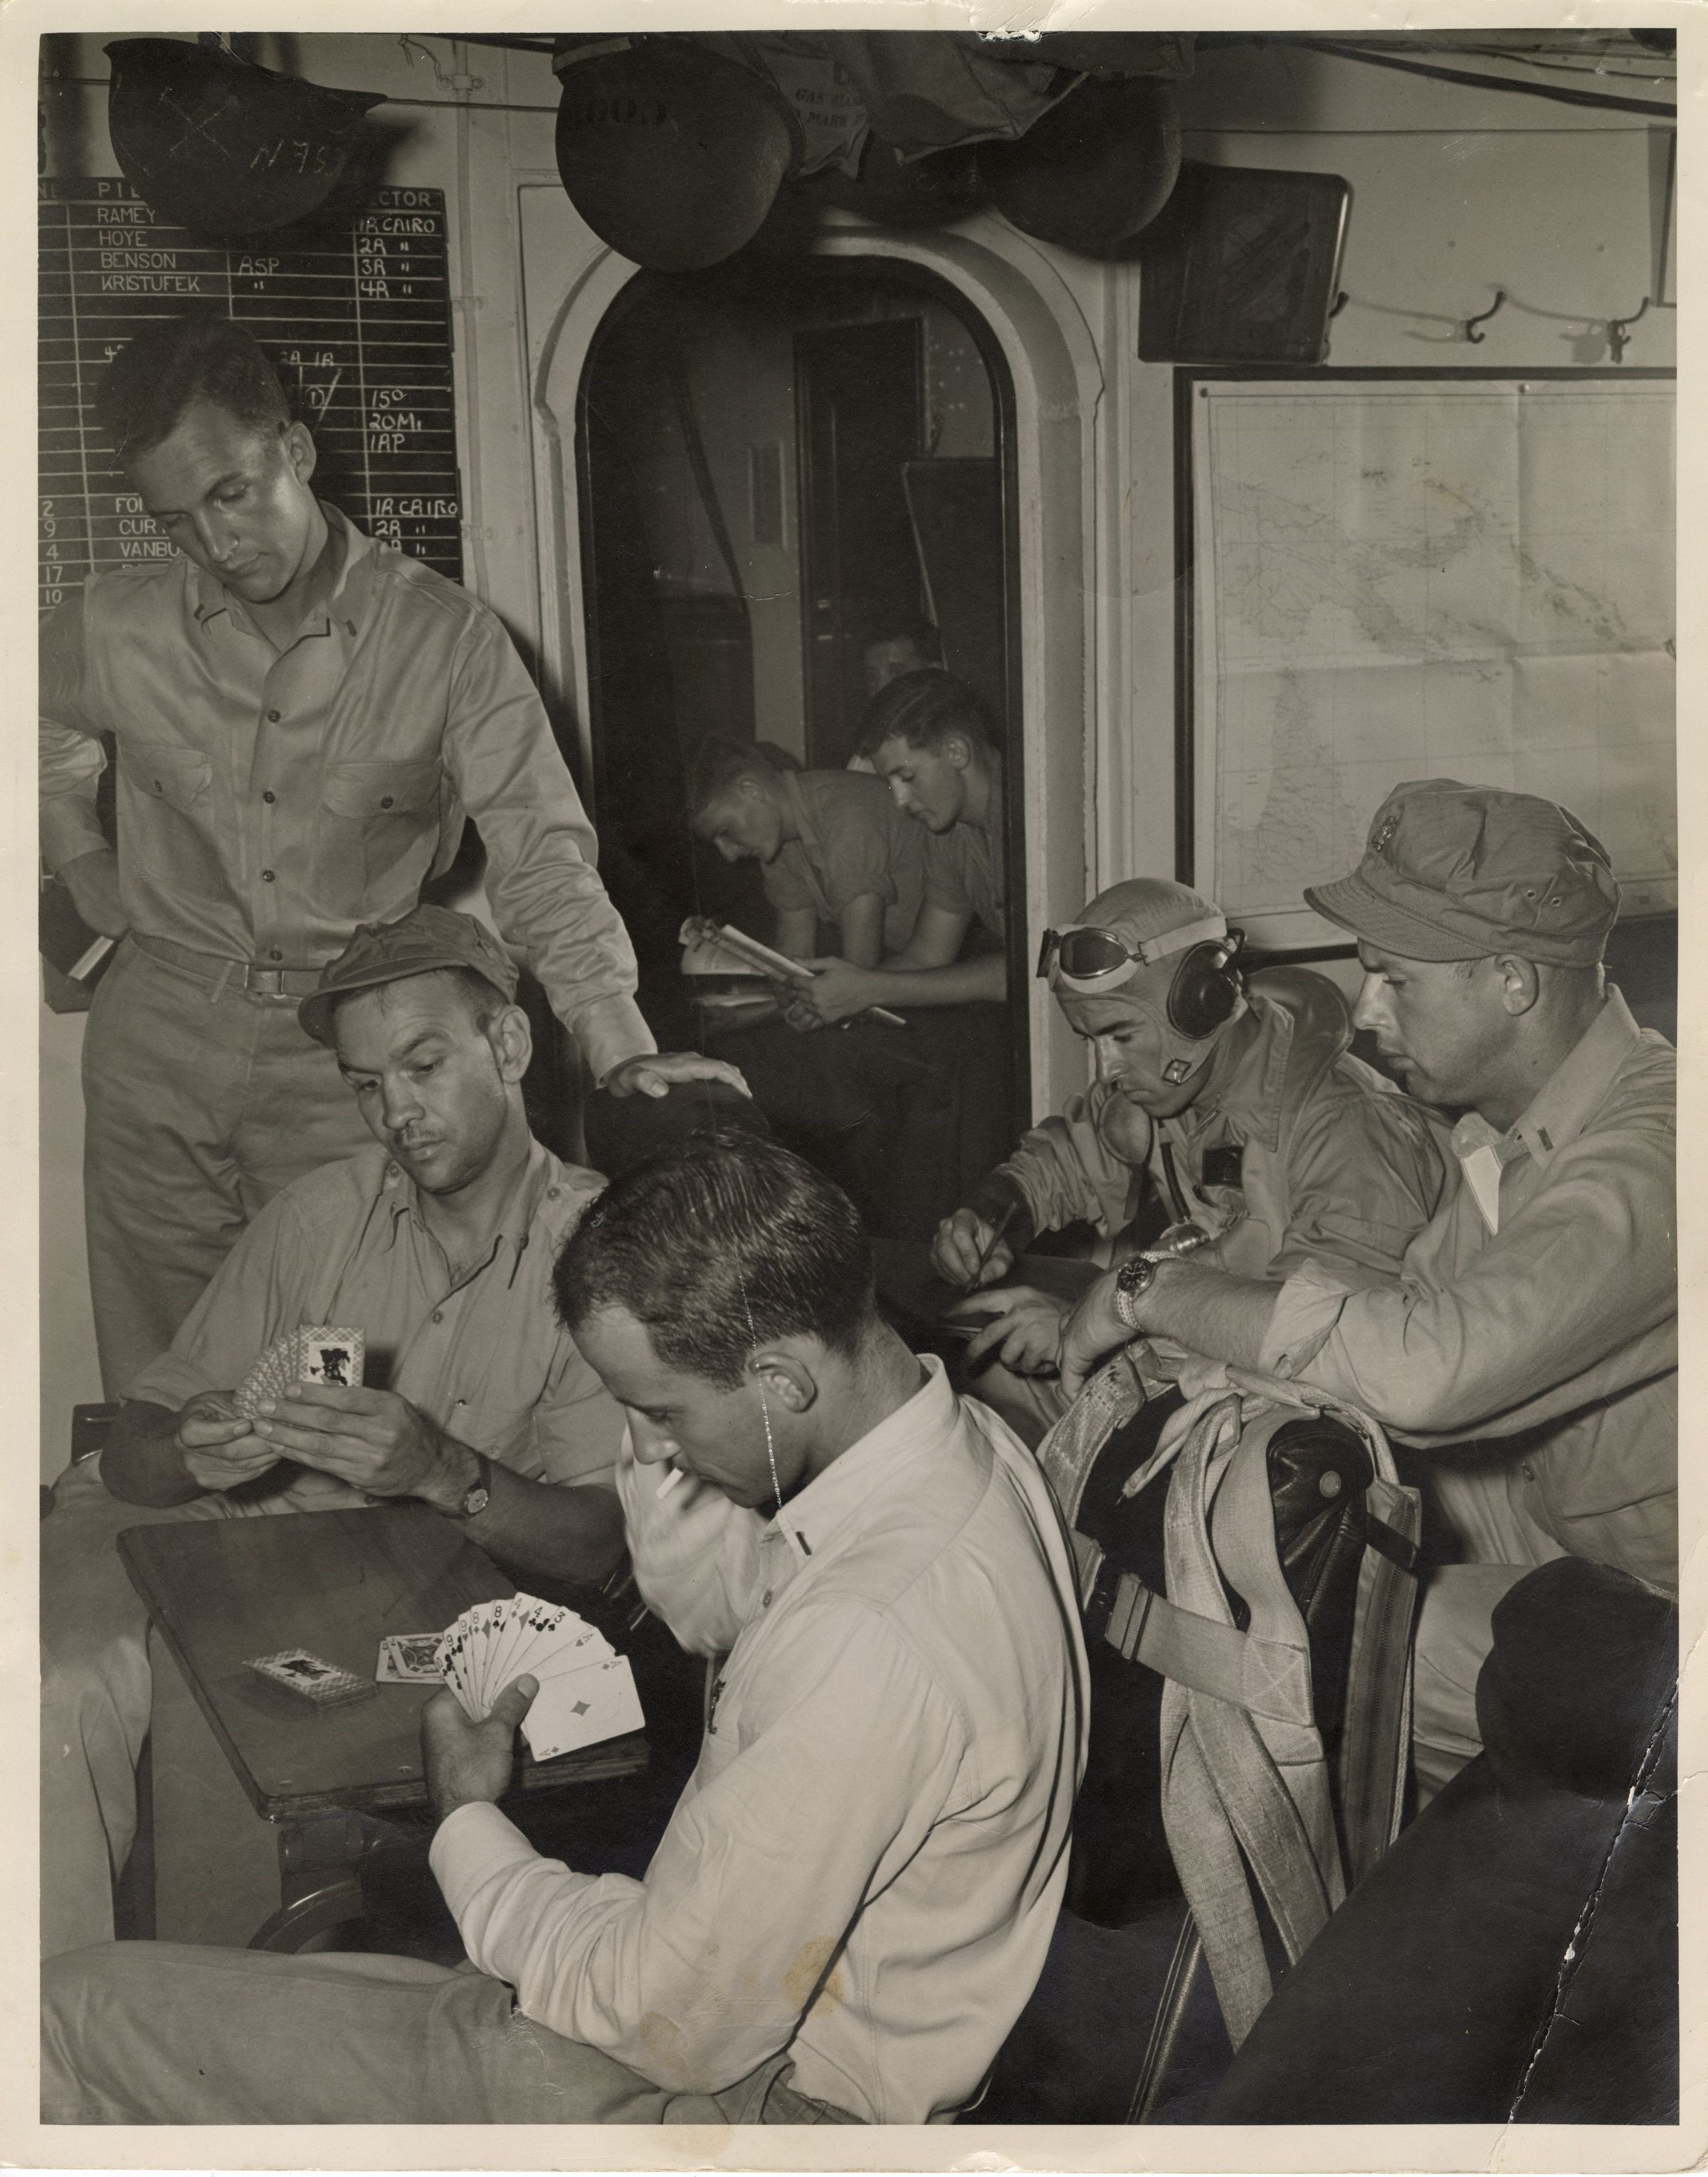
[1223, 1102]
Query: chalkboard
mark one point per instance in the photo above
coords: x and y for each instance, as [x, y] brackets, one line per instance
[355, 316]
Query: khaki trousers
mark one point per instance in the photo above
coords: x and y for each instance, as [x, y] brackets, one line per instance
[167, 2034]
[199, 1104]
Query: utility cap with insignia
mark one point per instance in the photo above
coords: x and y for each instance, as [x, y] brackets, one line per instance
[419, 943]
[1456, 872]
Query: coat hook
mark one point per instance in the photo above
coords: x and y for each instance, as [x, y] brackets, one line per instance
[1473, 327]
[1341, 302]
[1620, 331]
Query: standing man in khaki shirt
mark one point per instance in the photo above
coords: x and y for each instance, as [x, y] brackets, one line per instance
[1530, 1342]
[304, 721]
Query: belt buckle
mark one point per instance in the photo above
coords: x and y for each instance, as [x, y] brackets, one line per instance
[266, 982]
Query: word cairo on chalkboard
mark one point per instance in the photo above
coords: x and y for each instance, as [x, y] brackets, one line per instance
[357, 318]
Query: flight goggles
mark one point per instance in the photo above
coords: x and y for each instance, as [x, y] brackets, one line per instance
[1088, 961]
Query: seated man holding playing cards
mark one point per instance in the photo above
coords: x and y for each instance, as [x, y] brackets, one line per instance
[854, 1897]
[383, 1329]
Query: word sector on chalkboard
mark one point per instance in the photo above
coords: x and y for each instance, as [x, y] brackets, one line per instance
[356, 317]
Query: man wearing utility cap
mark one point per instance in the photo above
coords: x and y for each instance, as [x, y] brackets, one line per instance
[437, 1243]
[1530, 1342]
[1223, 1105]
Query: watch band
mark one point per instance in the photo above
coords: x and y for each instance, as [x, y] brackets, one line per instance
[478, 1494]
[1135, 1277]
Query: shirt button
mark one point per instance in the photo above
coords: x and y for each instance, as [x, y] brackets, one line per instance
[266, 876]
[385, 801]
[269, 795]
[274, 717]
[1528, 1471]
[552, 1193]
[765, 1600]
[275, 954]
[438, 1315]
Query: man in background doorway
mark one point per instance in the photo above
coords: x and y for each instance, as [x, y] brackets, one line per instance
[843, 867]
[304, 721]
[930, 741]
[838, 856]
[892, 649]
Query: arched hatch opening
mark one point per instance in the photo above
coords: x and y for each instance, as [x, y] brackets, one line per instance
[780, 472]
[1030, 336]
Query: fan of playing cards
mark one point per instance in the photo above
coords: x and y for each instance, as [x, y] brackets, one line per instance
[316, 1353]
[586, 1689]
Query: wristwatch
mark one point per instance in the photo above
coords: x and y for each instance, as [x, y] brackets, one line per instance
[478, 1494]
[1134, 1279]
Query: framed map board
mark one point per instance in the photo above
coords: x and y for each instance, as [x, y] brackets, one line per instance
[356, 316]
[1385, 577]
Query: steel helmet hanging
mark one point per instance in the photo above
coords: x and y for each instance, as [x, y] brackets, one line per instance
[670, 151]
[220, 144]
[1095, 170]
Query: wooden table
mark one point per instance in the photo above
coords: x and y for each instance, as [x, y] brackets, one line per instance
[220, 1591]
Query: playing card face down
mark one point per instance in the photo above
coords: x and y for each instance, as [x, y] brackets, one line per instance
[312, 1676]
[586, 1689]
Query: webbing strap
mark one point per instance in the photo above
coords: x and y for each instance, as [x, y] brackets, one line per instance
[1224, 1793]
[1210, 1656]
[1242, 1537]
[1375, 1743]
[1069, 1452]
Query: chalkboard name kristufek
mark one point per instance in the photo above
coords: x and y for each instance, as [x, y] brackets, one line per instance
[356, 316]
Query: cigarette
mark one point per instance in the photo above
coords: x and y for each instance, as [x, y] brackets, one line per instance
[669, 1481]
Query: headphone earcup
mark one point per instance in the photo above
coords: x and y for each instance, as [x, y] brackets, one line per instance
[1204, 991]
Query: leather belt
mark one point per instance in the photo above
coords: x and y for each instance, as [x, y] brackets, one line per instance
[248, 976]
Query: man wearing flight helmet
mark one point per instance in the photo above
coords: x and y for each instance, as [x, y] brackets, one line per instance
[1224, 1103]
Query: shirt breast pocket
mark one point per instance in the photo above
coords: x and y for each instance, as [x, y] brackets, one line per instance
[379, 827]
[181, 849]
[179, 777]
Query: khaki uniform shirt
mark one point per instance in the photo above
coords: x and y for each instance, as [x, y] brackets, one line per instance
[964, 868]
[269, 802]
[868, 1861]
[853, 840]
[481, 1353]
[1535, 1320]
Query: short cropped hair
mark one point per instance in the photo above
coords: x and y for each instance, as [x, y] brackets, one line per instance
[175, 361]
[923, 709]
[720, 766]
[919, 633]
[717, 1246]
